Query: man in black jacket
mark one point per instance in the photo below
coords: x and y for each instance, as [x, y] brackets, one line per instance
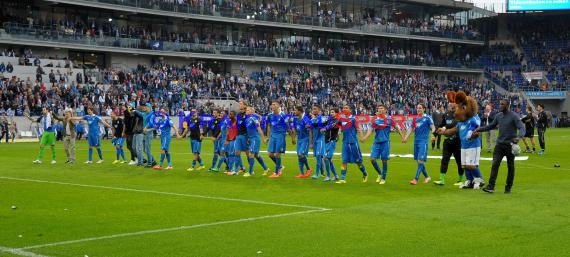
[451, 146]
[508, 123]
[128, 131]
[541, 125]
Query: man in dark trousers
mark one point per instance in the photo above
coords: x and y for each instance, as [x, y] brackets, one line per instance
[451, 146]
[541, 125]
[128, 131]
[508, 122]
[437, 117]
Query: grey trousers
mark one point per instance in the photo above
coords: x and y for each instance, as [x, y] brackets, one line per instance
[69, 146]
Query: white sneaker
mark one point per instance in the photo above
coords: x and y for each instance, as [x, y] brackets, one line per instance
[382, 182]
[100, 161]
[477, 183]
[37, 162]
[132, 163]
[53, 162]
[247, 174]
[88, 162]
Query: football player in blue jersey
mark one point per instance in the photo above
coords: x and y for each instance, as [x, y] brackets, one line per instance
[304, 135]
[350, 148]
[254, 138]
[317, 142]
[94, 134]
[423, 128]
[381, 124]
[219, 141]
[331, 136]
[166, 127]
[278, 128]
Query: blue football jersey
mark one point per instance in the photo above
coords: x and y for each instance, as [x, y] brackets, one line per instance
[466, 128]
[423, 128]
[93, 124]
[382, 127]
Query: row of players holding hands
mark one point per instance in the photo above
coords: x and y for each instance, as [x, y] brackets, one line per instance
[232, 137]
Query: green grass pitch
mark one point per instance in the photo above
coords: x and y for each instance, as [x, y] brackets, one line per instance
[119, 210]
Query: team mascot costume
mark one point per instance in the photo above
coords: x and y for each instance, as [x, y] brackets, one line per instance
[467, 121]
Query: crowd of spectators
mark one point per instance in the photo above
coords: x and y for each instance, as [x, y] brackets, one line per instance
[213, 42]
[546, 47]
[320, 13]
[180, 87]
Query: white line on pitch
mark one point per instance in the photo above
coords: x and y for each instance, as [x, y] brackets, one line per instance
[20, 252]
[167, 193]
[154, 231]
[293, 154]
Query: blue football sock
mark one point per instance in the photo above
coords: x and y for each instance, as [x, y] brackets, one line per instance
[277, 163]
[343, 174]
[333, 169]
[261, 161]
[376, 167]
[418, 171]
[239, 162]
[123, 154]
[200, 161]
[251, 162]
[100, 153]
[301, 165]
[162, 158]
[193, 163]
[363, 170]
[469, 174]
[384, 170]
[222, 160]
[328, 167]
[231, 162]
[117, 153]
[424, 171]
[90, 155]
[215, 160]
[319, 168]
[477, 172]
[168, 159]
[273, 159]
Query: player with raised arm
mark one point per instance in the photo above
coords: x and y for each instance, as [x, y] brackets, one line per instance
[94, 135]
[48, 135]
